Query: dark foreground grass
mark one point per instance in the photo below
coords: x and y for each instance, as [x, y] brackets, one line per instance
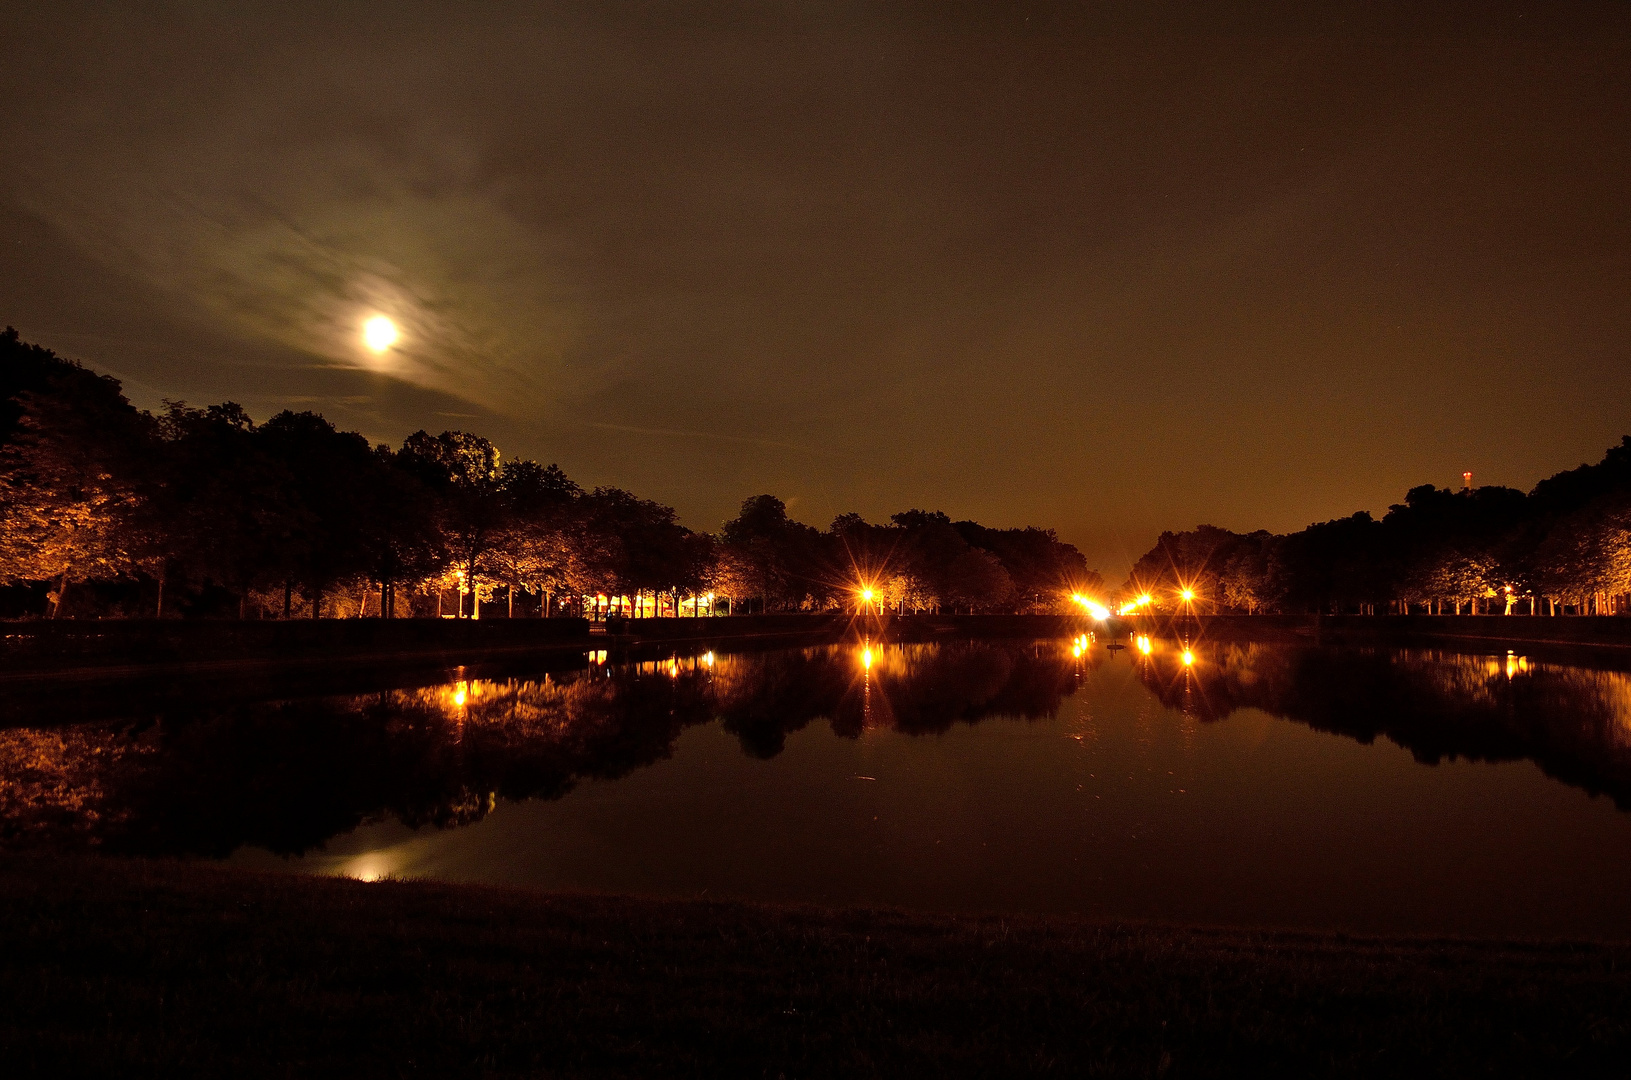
[130, 968]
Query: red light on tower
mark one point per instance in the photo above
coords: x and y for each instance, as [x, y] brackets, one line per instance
[1466, 481]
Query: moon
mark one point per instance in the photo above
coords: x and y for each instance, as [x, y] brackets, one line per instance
[379, 333]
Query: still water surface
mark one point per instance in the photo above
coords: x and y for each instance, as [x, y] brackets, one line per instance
[1272, 785]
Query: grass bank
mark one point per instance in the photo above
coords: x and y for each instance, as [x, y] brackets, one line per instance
[135, 968]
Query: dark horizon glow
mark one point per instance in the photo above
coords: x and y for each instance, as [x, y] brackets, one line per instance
[1111, 273]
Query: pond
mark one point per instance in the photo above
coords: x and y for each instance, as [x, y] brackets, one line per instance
[1368, 789]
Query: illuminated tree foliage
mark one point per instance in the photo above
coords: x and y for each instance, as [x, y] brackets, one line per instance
[74, 487]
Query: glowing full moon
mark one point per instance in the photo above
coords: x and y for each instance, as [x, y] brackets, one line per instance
[379, 332]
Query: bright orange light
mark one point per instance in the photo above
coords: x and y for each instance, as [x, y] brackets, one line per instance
[866, 595]
[1188, 595]
[379, 333]
[1144, 645]
[866, 658]
[1189, 658]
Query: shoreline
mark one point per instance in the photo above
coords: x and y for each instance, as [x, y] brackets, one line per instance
[42, 655]
[130, 967]
[1592, 631]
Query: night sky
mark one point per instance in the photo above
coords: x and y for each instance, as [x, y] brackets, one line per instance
[1107, 268]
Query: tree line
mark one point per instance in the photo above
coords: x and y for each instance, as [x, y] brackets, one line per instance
[1564, 547]
[109, 510]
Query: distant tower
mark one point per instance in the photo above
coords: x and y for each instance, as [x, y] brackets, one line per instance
[1466, 481]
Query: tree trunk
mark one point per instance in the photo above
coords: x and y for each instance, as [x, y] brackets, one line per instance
[316, 602]
[62, 594]
[159, 611]
[288, 598]
[512, 601]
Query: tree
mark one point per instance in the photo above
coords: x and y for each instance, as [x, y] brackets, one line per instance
[76, 475]
[773, 557]
[463, 473]
[338, 483]
[1245, 580]
[976, 579]
[642, 547]
[226, 509]
[1193, 560]
[538, 545]
[1045, 571]
[1587, 554]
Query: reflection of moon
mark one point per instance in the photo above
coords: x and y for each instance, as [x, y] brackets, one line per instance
[379, 332]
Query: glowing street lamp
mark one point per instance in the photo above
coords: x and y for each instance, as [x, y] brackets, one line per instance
[1098, 611]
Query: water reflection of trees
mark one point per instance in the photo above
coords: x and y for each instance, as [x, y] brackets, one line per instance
[1575, 723]
[288, 775]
